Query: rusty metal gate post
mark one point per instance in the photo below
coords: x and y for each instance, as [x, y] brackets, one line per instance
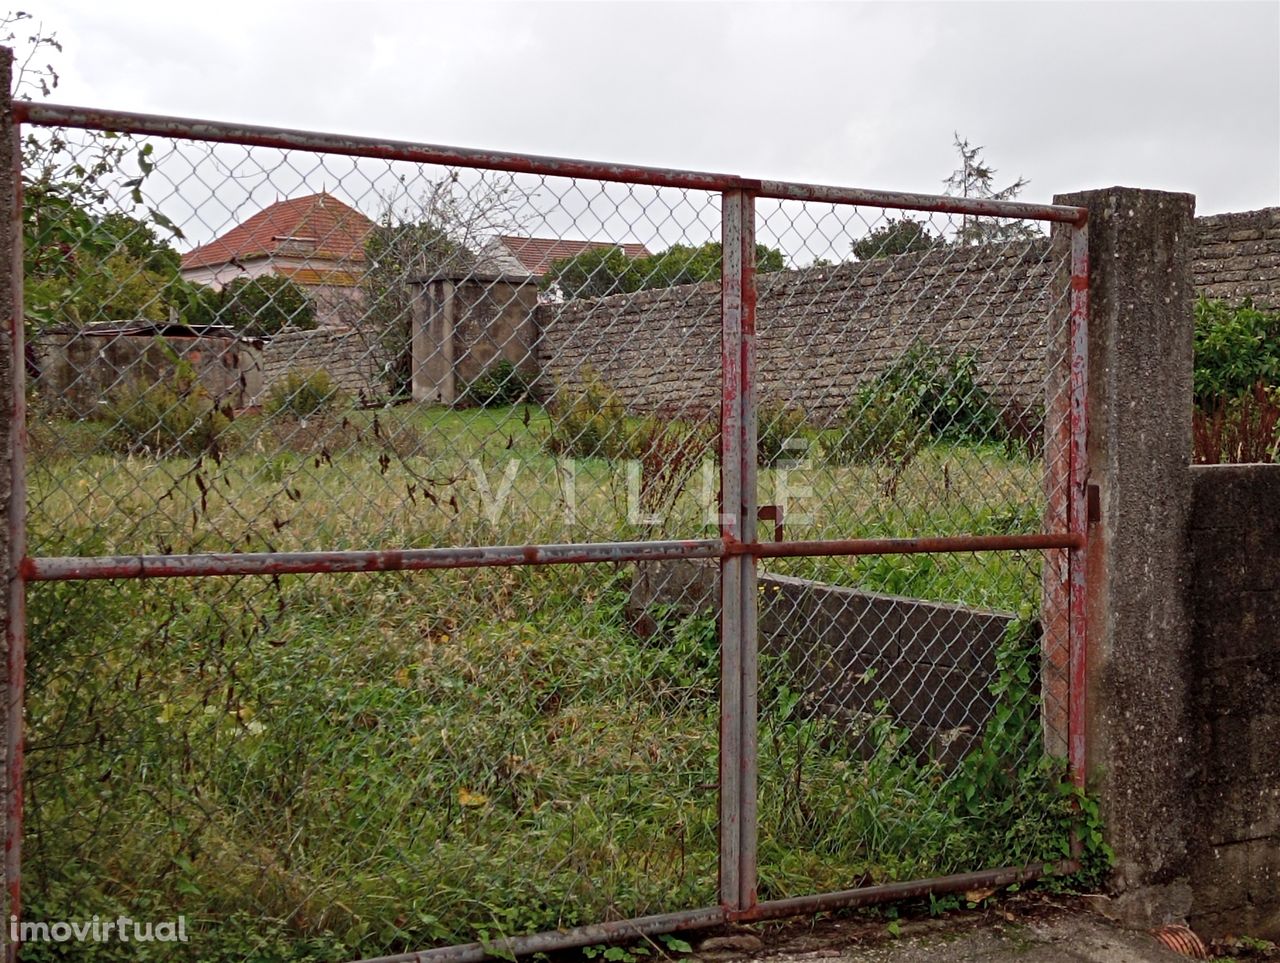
[739, 654]
[12, 491]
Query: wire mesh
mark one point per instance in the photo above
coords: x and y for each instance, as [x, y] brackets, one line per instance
[361, 353]
[247, 349]
[906, 365]
[238, 348]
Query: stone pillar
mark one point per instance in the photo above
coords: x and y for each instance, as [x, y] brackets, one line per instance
[12, 548]
[1139, 446]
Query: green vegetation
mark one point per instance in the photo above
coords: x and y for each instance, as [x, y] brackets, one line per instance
[178, 418]
[782, 433]
[1236, 383]
[315, 767]
[1235, 349]
[303, 395]
[503, 384]
[601, 271]
[903, 235]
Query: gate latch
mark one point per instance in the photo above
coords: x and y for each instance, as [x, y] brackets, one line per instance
[772, 513]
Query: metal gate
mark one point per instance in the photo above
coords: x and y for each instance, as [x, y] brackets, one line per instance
[729, 537]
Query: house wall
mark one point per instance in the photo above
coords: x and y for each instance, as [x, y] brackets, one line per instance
[337, 306]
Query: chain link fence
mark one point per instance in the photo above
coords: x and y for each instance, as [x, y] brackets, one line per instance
[306, 372]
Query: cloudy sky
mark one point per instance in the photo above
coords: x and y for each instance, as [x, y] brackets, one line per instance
[1069, 95]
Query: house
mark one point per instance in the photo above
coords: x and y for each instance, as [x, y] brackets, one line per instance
[317, 241]
[533, 256]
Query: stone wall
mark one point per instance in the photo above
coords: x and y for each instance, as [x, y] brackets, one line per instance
[820, 331]
[1237, 256]
[1235, 551]
[355, 362]
[846, 649]
[823, 331]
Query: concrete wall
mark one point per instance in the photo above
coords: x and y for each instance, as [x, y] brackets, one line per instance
[1136, 573]
[848, 649]
[462, 327]
[820, 332]
[81, 371]
[1234, 542]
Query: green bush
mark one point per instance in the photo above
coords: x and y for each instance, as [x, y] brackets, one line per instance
[1235, 349]
[264, 305]
[880, 427]
[166, 419]
[941, 392]
[782, 433]
[303, 395]
[502, 385]
[590, 422]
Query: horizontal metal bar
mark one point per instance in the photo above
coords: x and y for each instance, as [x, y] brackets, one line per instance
[624, 930]
[940, 545]
[894, 892]
[75, 568]
[788, 191]
[613, 932]
[388, 560]
[89, 118]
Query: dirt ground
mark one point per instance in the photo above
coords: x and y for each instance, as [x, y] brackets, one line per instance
[1033, 928]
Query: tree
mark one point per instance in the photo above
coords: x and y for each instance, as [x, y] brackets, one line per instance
[974, 178]
[437, 232]
[601, 271]
[596, 272]
[263, 306]
[898, 236]
[85, 257]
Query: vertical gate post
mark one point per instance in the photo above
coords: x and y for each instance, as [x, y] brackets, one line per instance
[738, 662]
[1136, 745]
[12, 491]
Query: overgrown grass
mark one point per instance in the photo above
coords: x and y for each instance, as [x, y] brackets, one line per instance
[318, 767]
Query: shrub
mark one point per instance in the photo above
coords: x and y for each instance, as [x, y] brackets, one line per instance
[1238, 430]
[502, 385]
[782, 433]
[590, 422]
[303, 395]
[942, 394]
[669, 453]
[1235, 349]
[166, 419]
[879, 427]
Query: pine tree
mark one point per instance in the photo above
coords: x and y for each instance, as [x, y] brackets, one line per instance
[974, 178]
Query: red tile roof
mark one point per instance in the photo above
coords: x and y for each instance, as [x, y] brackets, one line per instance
[537, 254]
[339, 232]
